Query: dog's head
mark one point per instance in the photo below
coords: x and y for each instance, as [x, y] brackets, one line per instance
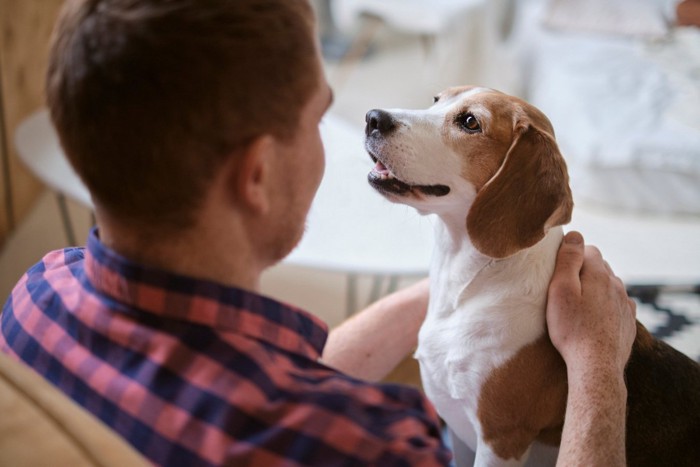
[474, 152]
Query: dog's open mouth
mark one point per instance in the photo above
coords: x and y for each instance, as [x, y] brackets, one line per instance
[383, 180]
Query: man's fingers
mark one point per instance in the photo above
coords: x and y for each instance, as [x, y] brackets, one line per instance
[573, 238]
[569, 261]
[632, 306]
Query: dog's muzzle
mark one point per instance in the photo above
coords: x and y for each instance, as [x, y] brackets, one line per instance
[379, 125]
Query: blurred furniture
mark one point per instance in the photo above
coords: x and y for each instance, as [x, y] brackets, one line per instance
[38, 147]
[621, 87]
[412, 16]
[463, 39]
[40, 426]
[7, 220]
[335, 45]
[25, 28]
[353, 230]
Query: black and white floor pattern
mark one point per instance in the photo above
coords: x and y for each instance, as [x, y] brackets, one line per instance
[672, 314]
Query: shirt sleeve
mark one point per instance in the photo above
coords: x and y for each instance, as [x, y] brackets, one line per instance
[341, 421]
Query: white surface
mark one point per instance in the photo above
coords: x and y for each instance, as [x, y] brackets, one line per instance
[38, 147]
[415, 16]
[351, 228]
[643, 249]
[626, 112]
[641, 18]
[468, 38]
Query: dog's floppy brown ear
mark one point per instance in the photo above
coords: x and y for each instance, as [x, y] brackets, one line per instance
[529, 194]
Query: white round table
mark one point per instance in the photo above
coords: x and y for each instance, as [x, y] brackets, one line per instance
[351, 227]
[354, 230]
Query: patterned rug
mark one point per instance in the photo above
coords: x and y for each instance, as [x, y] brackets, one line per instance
[672, 314]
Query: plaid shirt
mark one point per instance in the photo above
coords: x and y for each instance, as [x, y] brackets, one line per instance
[194, 373]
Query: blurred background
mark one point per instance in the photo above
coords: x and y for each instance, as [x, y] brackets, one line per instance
[619, 79]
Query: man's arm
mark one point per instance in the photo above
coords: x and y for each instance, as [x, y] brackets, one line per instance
[373, 342]
[591, 321]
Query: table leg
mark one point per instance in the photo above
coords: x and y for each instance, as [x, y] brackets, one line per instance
[375, 292]
[351, 295]
[65, 217]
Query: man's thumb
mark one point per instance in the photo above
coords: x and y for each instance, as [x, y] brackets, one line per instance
[574, 238]
[570, 258]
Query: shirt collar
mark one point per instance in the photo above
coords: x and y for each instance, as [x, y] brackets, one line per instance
[227, 309]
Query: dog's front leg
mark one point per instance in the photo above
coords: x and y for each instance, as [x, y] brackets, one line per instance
[463, 455]
[486, 457]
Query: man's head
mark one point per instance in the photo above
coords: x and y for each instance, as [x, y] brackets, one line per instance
[151, 97]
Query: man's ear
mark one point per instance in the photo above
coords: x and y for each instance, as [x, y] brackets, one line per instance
[250, 174]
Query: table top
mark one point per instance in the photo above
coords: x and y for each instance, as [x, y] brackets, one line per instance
[351, 228]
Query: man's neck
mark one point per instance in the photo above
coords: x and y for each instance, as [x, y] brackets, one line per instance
[221, 254]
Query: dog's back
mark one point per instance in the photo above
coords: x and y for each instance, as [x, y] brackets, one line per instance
[663, 405]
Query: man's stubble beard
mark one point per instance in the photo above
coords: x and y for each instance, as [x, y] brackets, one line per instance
[288, 236]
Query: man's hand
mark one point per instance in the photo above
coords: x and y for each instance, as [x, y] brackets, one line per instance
[591, 319]
[591, 322]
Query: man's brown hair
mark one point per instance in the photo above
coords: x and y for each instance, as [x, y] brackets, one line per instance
[149, 96]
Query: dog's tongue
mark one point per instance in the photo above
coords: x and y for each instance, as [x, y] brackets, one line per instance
[381, 169]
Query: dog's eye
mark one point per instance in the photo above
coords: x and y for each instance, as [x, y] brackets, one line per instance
[469, 123]
[435, 99]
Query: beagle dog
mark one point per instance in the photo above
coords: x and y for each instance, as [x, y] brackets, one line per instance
[488, 166]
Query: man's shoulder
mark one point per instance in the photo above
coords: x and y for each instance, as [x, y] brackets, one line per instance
[57, 261]
[54, 272]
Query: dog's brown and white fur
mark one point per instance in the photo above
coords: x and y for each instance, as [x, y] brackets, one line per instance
[488, 165]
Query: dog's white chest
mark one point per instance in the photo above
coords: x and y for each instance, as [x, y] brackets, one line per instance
[450, 376]
[479, 317]
[456, 357]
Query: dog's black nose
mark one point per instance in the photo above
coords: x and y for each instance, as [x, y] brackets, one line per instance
[379, 120]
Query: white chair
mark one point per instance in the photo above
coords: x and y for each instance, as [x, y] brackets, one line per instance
[38, 147]
[41, 426]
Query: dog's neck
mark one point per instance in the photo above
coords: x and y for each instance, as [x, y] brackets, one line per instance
[455, 257]
[459, 270]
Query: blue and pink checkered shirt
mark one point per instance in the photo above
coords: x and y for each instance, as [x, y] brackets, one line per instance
[194, 373]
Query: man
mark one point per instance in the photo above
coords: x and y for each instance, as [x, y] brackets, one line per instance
[194, 124]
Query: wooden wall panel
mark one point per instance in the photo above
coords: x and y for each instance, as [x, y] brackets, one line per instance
[25, 29]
